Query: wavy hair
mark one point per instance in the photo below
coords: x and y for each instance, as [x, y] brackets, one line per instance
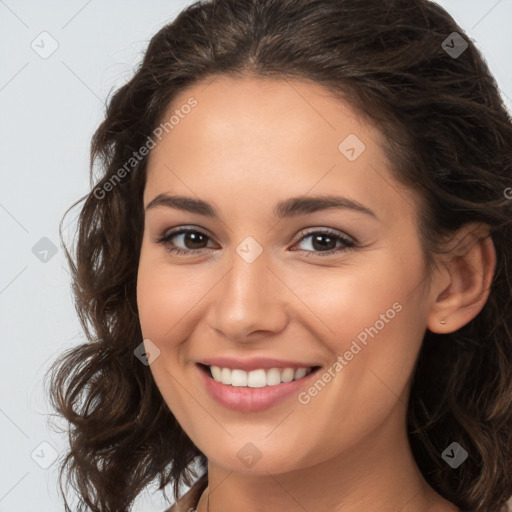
[447, 134]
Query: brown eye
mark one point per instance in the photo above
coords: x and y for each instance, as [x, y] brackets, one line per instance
[324, 242]
[192, 239]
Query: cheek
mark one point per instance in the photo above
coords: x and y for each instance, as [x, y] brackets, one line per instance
[374, 330]
[373, 317]
[340, 303]
[163, 303]
[156, 305]
[164, 297]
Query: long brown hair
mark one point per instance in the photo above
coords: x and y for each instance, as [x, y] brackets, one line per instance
[448, 136]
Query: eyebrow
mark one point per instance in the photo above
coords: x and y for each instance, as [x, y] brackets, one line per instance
[288, 208]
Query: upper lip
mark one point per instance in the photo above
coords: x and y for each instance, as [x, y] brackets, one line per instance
[254, 363]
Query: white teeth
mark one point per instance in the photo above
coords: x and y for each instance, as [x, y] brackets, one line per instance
[273, 377]
[217, 372]
[299, 373]
[225, 376]
[238, 378]
[257, 378]
[287, 375]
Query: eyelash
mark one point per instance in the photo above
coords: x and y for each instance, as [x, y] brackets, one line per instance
[349, 244]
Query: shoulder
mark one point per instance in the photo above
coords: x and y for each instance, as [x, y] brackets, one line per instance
[191, 498]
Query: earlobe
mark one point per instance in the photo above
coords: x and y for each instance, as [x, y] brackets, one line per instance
[464, 286]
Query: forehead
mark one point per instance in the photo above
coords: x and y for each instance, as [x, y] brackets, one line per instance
[264, 137]
[256, 110]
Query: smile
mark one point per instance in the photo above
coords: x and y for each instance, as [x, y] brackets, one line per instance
[254, 390]
[257, 378]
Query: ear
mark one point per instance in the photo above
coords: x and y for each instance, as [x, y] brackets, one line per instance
[462, 282]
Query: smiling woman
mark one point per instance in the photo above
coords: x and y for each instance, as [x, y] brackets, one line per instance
[302, 285]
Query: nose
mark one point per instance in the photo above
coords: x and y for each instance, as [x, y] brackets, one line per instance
[249, 302]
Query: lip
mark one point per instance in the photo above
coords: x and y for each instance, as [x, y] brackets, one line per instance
[254, 363]
[247, 399]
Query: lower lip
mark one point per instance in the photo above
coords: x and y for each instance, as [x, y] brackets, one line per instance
[248, 399]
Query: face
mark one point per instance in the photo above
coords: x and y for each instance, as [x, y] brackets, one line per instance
[270, 277]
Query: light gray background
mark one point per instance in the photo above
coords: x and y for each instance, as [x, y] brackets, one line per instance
[49, 111]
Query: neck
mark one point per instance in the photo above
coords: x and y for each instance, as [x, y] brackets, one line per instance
[378, 474]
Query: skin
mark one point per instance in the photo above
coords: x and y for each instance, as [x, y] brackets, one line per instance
[248, 144]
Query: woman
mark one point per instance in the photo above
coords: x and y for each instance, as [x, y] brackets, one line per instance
[294, 271]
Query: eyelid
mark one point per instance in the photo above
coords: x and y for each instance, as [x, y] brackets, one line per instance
[180, 230]
[348, 242]
[302, 233]
[331, 231]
